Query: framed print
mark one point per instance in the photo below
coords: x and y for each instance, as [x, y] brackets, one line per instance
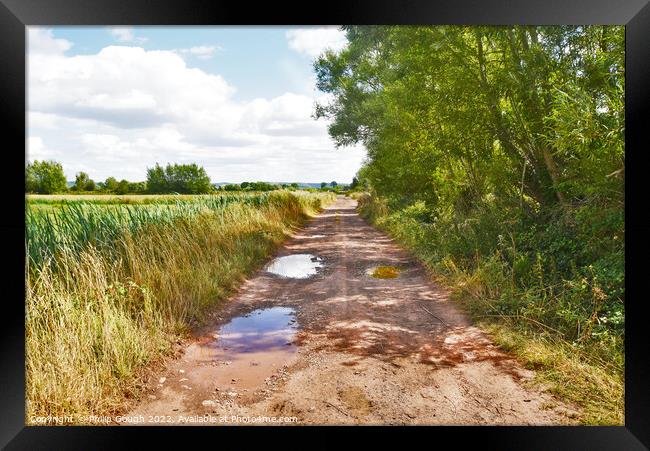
[373, 214]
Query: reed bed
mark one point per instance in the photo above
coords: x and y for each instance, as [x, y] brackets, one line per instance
[110, 289]
[75, 223]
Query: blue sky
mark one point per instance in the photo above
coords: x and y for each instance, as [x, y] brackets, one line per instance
[113, 101]
[240, 52]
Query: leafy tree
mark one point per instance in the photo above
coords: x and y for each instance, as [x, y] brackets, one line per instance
[137, 187]
[294, 185]
[31, 180]
[81, 181]
[188, 179]
[110, 184]
[323, 184]
[333, 184]
[90, 185]
[122, 187]
[45, 177]
[451, 115]
[157, 180]
[180, 178]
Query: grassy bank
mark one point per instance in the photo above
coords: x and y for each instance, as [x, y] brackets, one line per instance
[110, 287]
[548, 289]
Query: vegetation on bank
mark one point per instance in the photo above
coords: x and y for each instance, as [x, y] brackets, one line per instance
[496, 154]
[111, 286]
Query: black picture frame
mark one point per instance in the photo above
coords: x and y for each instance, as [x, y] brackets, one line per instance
[15, 15]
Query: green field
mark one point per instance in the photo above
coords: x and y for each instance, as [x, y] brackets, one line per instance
[113, 281]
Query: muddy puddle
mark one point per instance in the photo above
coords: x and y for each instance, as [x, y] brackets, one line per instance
[383, 272]
[296, 266]
[243, 353]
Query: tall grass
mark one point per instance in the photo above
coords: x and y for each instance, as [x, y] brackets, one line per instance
[121, 199]
[109, 289]
[75, 223]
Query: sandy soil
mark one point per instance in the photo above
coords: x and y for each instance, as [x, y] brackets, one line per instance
[366, 351]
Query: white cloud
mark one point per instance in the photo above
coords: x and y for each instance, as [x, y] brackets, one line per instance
[125, 86]
[37, 150]
[121, 110]
[314, 41]
[43, 120]
[42, 42]
[203, 52]
[122, 33]
[125, 34]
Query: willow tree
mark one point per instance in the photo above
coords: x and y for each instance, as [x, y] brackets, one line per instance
[530, 116]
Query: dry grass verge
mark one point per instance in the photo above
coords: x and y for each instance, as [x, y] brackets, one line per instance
[96, 318]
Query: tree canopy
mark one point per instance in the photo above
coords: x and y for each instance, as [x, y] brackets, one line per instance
[453, 115]
[111, 184]
[83, 182]
[179, 178]
[44, 177]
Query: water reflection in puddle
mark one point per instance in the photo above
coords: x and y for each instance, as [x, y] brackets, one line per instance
[259, 330]
[297, 266]
[245, 351]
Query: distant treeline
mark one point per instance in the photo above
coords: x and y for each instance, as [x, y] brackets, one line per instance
[47, 177]
[264, 186]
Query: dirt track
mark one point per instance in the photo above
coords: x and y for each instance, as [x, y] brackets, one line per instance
[367, 351]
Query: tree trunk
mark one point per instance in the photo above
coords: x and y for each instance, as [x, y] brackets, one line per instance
[553, 172]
